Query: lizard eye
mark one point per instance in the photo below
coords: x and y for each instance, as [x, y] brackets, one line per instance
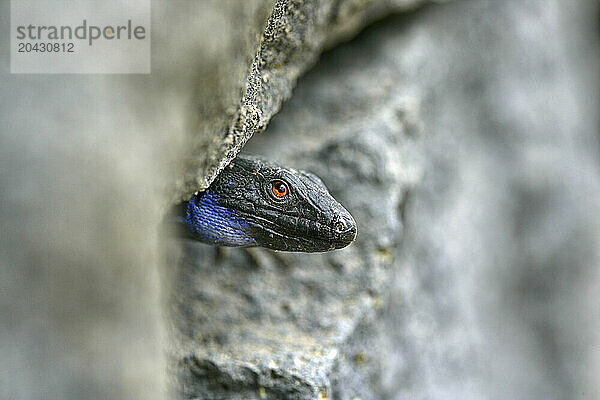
[279, 189]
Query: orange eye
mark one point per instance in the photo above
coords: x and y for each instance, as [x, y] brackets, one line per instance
[279, 189]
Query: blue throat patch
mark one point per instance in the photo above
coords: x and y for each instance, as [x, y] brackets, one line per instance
[212, 223]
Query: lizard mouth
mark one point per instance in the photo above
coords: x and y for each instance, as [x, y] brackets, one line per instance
[304, 234]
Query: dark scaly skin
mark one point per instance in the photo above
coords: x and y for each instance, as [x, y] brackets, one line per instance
[240, 209]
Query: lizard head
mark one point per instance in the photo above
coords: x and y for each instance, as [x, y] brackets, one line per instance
[253, 202]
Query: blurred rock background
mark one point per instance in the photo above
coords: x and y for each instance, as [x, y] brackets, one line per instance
[462, 136]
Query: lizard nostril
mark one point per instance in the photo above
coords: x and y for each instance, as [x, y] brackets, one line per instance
[343, 224]
[344, 230]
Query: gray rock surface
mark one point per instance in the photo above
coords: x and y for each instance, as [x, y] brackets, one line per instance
[463, 138]
[294, 34]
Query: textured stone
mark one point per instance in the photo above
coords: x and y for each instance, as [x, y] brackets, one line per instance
[476, 257]
[463, 137]
[294, 35]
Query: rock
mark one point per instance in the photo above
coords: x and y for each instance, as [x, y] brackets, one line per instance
[294, 35]
[472, 275]
[463, 137]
